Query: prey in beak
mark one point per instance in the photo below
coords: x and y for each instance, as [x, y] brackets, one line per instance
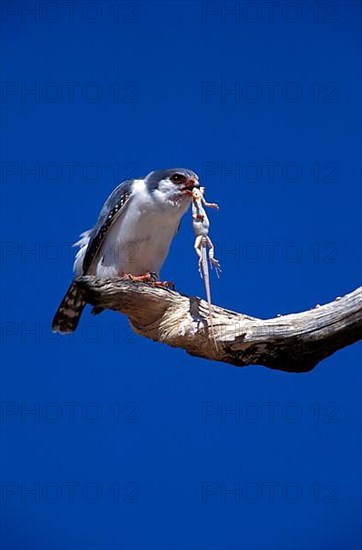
[190, 185]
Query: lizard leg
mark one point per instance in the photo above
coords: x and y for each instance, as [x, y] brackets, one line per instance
[214, 262]
[198, 247]
[211, 205]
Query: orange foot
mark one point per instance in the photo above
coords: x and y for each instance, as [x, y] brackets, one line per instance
[164, 284]
[150, 278]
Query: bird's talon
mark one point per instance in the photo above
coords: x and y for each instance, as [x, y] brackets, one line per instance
[163, 284]
[145, 278]
[148, 278]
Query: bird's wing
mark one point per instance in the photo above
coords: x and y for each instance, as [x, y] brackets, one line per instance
[111, 211]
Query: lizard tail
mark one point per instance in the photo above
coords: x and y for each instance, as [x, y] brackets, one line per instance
[206, 277]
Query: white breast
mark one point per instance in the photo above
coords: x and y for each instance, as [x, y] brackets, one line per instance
[139, 241]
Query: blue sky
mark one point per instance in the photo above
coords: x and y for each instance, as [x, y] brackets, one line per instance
[133, 445]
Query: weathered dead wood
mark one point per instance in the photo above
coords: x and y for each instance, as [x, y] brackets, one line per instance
[292, 343]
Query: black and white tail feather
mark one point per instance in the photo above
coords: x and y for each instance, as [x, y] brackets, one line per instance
[68, 314]
[70, 309]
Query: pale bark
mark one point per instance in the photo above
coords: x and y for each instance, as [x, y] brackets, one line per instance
[292, 343]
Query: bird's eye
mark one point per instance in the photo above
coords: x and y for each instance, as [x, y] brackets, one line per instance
[178, 178]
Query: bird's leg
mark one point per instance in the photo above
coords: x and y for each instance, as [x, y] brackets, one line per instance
[145, 278]
[149, 277]
[163, 284]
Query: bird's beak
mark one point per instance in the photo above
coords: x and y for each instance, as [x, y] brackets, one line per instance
[189, 187]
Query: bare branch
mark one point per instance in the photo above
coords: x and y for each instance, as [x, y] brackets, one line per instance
[292, 343]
